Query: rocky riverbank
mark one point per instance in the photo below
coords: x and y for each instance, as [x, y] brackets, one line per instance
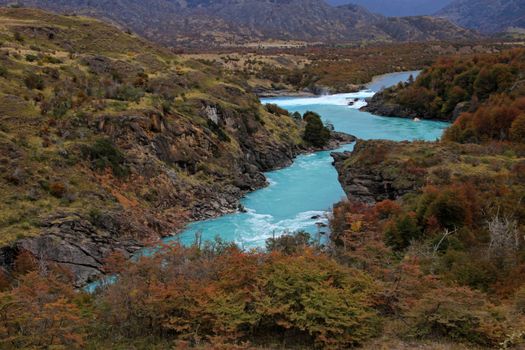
[379, 104]
[122, 152]
[370, 173]
[81, 242]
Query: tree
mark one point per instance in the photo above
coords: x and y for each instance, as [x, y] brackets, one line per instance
[315, 133]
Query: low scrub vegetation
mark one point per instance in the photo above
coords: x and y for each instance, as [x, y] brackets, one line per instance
[216, 294]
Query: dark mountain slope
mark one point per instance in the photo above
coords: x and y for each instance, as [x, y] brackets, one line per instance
[487, 16]
[231, 22]
[393, 8]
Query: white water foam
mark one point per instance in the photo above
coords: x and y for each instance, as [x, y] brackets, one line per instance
[337, 99]
[263, 227]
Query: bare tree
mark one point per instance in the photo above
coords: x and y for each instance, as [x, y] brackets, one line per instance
[504, 238]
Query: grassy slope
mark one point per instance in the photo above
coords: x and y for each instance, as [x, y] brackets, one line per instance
[94, 77]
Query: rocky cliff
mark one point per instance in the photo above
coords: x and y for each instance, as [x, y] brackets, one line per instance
[108, 142]
[372, 173]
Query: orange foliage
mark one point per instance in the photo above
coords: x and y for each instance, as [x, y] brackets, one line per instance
[41, 312]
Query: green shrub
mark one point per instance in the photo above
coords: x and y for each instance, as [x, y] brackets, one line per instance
[297, 115]
[31, 58]
[3, 71]
[52, 60]
[446, 207]
[517, 131]
[288, 243]
[128, 93]
[104, 154]
[315, 133]
[316, 296]
[34, 81]
[218, 131]
[18, 37]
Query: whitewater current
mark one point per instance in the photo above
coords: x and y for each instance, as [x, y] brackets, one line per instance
[300, 197]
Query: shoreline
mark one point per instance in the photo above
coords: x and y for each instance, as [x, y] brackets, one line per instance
[324, 90]
[337, 140]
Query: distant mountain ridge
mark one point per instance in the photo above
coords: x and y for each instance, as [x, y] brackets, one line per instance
[486, 16]
[396, 8]
[203, 23]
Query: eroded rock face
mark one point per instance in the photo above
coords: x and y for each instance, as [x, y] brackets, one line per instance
[76, 244]
[379, 105]
[368, 176]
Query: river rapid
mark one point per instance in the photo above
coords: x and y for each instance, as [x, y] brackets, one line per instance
[300, 196]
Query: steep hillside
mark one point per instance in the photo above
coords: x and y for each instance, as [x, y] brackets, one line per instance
[487, 16]
[229, 23]
[107, 140]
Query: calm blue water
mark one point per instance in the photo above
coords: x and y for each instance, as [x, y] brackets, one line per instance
[300, 196]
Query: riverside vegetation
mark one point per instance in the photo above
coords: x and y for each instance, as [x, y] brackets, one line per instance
[107, 140]
[347, 68]
[428, 251]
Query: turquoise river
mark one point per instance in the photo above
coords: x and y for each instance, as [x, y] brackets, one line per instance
[300, 196]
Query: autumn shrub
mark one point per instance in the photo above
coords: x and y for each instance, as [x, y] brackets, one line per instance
[42, 311]
[461, 84]
[517, 130]
[401, 230]
[457, 313]
[192, 294]
[519, 300]
[498, 119]
[385, 209]
[275, 109]
[57, 189]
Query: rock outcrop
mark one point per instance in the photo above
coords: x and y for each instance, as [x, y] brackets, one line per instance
[369, 175]
[379, 105]
[76, 243]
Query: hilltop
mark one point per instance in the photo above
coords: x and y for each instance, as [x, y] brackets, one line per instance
[224, 23]
[486, 16]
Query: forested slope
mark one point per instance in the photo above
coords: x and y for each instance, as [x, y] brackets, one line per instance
[454, 85]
